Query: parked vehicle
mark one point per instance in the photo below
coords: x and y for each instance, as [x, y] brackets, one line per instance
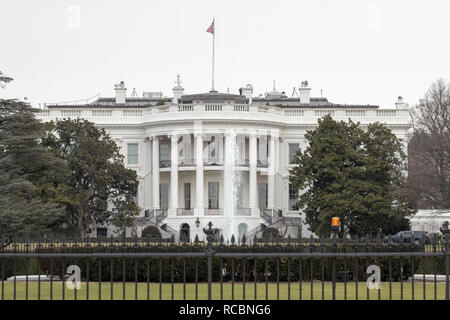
[409, 237]
[422, 235]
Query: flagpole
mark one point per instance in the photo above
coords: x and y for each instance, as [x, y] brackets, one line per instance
[214, 36]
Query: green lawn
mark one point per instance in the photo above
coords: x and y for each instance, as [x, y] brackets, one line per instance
[166, 289]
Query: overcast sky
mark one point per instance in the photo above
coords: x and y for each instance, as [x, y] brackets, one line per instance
[355, 51]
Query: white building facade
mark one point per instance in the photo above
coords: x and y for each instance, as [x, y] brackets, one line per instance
[430, 220]
[217, 157]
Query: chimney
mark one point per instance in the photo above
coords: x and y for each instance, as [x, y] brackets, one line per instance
[178, 90]
[121, 92]
[400, 104]
[304, 92]
[247, 92]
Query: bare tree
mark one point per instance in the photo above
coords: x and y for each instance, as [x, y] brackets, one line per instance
[429, 149]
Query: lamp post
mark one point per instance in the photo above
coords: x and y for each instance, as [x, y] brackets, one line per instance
[197, 224]
[210, 237]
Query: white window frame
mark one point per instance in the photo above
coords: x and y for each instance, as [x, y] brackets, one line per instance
[138, 153]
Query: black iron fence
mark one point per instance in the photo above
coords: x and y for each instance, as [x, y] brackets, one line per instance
[142, 268]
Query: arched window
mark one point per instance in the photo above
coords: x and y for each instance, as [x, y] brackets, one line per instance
[185, 233]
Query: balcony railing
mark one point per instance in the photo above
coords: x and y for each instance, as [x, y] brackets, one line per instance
[262, 163]
[185, 212]
[210, 162]
[256, 112]
[186, 162]
[243, 212]
[242, 163]
[214, 212]
[213, 162]
[164, 163]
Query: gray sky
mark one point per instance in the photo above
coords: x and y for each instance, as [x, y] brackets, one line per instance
[355, 51]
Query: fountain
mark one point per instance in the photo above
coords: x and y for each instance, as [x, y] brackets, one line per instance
[232, 182]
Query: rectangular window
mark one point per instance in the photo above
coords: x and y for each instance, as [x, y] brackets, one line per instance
[213, 154]
[133, 153]
[263, 151]
[187, 196]
[213, 195]
[293, 147]
[164, 196]
[293, 198]
[102, 232]
[262, 195]
[164, 155]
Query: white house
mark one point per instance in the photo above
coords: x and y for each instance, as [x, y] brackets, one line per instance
[215, 156]
[430, 220]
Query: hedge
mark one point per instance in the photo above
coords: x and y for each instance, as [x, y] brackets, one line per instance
[136, 268]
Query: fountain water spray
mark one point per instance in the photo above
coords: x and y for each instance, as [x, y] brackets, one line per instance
[232, 182]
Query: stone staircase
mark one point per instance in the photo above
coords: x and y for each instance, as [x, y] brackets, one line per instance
[273, 219]
[155, 218]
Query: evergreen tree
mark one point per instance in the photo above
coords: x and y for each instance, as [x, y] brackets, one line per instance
[25, 166]
[355, 174]
[99, 188]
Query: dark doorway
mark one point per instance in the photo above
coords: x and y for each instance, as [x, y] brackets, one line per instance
[185, 232]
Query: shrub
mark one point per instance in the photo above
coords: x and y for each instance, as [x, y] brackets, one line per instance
[270, 232]
[151, 232]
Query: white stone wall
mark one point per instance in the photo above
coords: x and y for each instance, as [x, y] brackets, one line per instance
[284, 124]
[429, 220]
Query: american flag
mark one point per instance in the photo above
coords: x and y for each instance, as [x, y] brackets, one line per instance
[211, 28]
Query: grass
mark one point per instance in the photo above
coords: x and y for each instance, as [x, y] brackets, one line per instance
[131, 289]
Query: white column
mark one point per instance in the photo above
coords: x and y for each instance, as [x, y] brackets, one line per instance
[280, 195]
[155, 172]
[173, 176]
[147, 173]
[271, 174]
[253, 191]
[199, 203]
[227, 177]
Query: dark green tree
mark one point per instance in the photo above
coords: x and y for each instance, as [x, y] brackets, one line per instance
[25, 167]
[355, 174]
[99, 188]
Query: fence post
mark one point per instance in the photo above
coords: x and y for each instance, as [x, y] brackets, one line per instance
[210, 236]
[447, 269]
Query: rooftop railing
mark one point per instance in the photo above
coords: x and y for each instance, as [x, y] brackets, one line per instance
[254, 112]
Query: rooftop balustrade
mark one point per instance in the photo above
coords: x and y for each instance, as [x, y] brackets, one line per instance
[236, 112]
